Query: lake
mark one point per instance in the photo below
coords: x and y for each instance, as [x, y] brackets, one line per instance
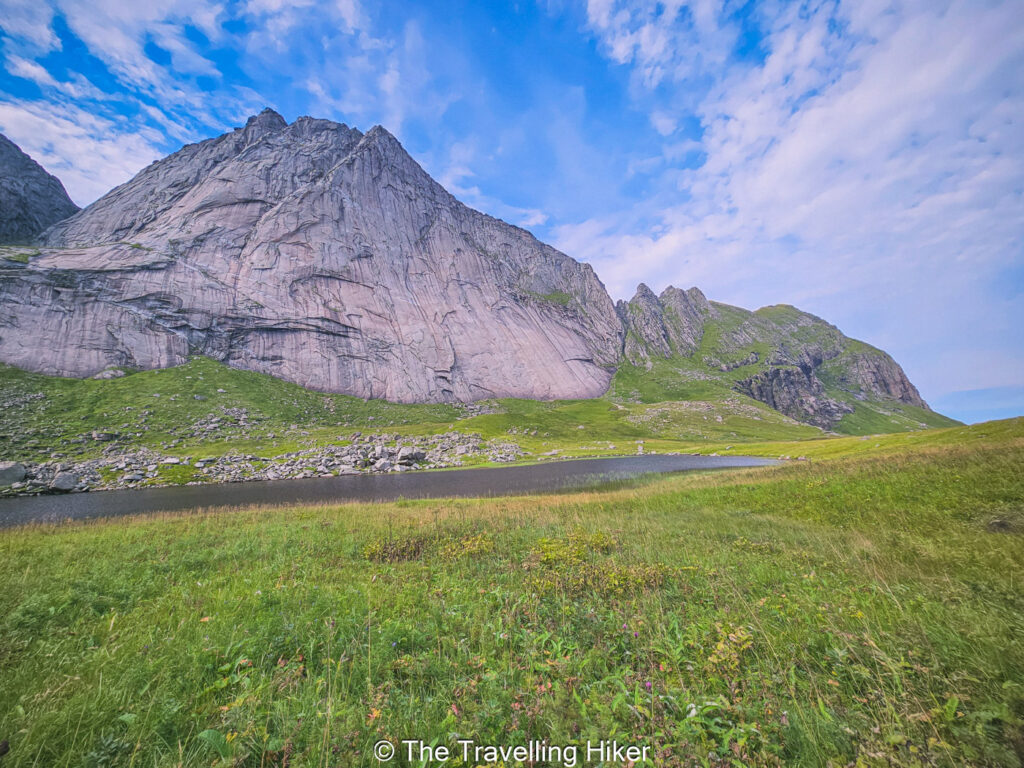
[491, 481]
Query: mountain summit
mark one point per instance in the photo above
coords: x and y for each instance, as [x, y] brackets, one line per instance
[318, 254]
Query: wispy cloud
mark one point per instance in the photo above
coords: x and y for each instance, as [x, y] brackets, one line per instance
[149, 80]
[84, 151]
[866, 166]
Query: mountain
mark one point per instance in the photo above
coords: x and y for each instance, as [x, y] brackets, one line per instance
[678, 344]
[329, 258]
[320, 255]
[30, 198]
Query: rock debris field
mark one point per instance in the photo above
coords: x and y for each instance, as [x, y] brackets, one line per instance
[380, 453]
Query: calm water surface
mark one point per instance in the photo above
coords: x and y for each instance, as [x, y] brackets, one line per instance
[499, 481]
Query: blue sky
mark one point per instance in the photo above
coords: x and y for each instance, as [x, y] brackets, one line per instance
[861, 160]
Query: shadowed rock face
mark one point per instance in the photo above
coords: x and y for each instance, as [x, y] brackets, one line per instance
[30, 198]
[317, 254]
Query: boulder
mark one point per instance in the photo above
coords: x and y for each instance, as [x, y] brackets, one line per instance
[11, 472]
[408, 455]
[64, 481]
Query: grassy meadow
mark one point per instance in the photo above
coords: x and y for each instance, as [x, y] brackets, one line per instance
[864, 608]
[204, 408]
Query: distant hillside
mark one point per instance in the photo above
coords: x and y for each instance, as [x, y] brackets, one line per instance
[680, 346]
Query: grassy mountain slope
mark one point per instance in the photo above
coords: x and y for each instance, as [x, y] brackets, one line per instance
[159, 409]
[680, 403]
[738, 345]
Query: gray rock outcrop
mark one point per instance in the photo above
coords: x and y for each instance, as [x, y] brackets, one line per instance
[663, 326]
[796, 392]
[30, 198]
[319, 255]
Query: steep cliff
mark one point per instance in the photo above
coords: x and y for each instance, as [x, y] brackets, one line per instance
[317, 254]
[30, 198]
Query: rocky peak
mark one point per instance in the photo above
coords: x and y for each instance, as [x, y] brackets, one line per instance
[30, 198]
[643, 294]
[383, 155]
[247, 171]
[665, 325]
[319, 255]
[265, 122]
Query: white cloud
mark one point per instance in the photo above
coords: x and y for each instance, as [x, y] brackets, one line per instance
[117, 33]
[367, 79]
[30, 21]
[89, 144]
[456, 178]
[663, 122]
[868, 169]
[89, 154]
[30, 70]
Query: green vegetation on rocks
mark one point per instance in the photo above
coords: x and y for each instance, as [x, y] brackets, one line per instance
[836, 382]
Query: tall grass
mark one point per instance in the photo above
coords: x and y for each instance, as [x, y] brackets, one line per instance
[864, 611]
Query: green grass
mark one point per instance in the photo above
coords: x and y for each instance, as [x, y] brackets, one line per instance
[17, 255]
[154, 408]
[555, 297]
[675, 378]
[885, 445]
[158, 409]
[858, 611]
[744, 342]
[667, 407]
[872, 418]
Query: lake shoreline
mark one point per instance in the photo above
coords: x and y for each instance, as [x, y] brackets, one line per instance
[518, 479]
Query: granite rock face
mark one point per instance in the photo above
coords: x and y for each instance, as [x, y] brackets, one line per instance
[790, 360]
[796, 392]
[30, 198]
[317, 254]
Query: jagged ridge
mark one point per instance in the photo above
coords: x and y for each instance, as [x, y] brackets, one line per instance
[790, 360]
